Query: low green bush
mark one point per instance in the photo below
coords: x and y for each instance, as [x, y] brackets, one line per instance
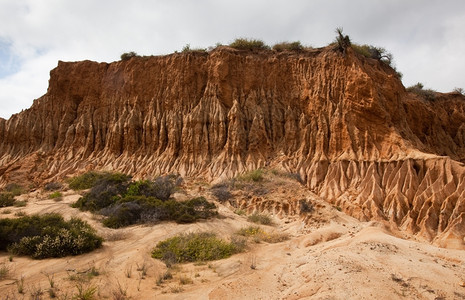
[140, 209]
[128, 55]
[193, 247]
[255, 175]
[126, 203]
[6, 199]
[55, 195]
[426, 94]
[249, 44]
[47, 236]
[86, 181]
[260, 219]
[15, 189]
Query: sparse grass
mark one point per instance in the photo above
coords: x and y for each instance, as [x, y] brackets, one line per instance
[120, 293]
[193, 247]
[176, 289]
[85, 293]
[20, 284]
[249, 44]
[36, 292]
[240, 212]
[53, 186]
[260, 219]
[4, 271]
[128, 272]
[15, 189]
[6, 211]
[258, 235]
[164, 277]
[50, 278]
[142, 269]
[20, 214]
[185, 280]
[20, 203]
[255, 176]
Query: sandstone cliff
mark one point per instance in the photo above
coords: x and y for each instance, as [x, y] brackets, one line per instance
[345, 123]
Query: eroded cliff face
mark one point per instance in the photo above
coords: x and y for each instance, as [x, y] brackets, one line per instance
[343, 122]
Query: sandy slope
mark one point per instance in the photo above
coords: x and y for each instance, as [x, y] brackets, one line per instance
[329, 256]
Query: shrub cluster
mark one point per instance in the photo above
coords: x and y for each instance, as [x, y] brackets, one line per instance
[249, 44]
[47, 236]
[128, 55]
[194, 247]
[126, 203]
[260, 219]
[289, 46]
[15, 189]
[259, 235]
[427, 94]
[255, 175]
[87, 180]
[140, 209]
[6, 199]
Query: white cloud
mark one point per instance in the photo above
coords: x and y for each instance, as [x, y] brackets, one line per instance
[425, 36]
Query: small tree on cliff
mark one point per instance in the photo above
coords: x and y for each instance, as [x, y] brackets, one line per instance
[343, 41]
[128, 55]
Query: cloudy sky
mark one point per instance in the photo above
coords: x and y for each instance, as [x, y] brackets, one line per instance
[426, 37]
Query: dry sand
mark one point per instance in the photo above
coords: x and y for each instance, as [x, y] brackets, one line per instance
[328, 256]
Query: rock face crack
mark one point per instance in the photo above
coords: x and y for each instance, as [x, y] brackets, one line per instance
[345, 123]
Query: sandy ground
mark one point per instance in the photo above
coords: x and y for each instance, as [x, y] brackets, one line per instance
[328, 256]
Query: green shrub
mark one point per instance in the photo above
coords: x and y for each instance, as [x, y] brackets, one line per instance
[105, 191]
[55, 195]
[426, 94]
[6, 199]
[221, 192]
[140, 209]
[370, 51]
[342, 41]
[260, 219]
[248, 44]
[126, 203]
[128, 55]
[259, 235]
[255, 175]
[47, 236]
[289, 46]
[85, 181]
[15, 189]
[193, 247]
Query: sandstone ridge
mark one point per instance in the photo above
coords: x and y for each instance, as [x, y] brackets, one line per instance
[344, 122]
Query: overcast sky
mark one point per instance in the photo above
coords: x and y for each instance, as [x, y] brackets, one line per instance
[426, 37]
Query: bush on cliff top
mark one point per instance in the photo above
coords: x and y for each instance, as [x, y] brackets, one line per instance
[47, 236]
[249, 44]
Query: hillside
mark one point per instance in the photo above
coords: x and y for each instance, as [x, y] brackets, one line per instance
[343, 122]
